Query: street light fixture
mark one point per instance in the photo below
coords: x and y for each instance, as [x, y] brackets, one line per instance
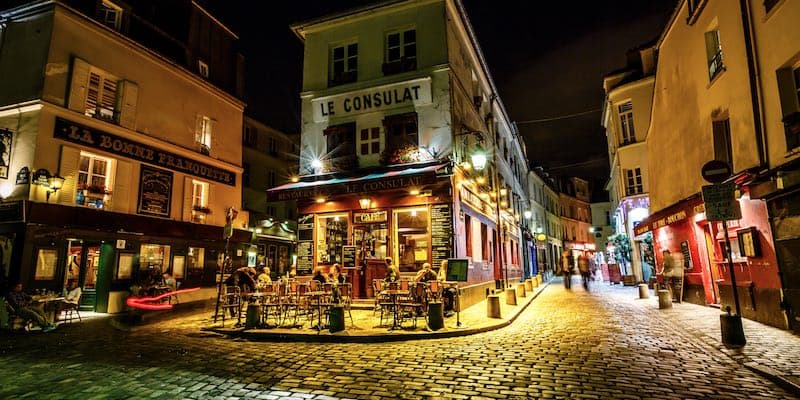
[528, 214]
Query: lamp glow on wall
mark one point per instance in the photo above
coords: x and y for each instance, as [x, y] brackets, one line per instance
[365, 203]
[52, 182]
[528, 214]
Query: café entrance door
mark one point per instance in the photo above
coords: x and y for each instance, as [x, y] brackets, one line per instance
[83, 264]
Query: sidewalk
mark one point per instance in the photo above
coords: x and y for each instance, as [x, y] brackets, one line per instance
[366, 328]
[770, 352]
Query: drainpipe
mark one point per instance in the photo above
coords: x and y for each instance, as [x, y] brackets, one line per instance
[755, 83]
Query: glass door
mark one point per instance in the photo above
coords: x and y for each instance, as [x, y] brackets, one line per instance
[83, 261]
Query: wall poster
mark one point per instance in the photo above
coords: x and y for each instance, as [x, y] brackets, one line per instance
[6, 136]
[155, 192]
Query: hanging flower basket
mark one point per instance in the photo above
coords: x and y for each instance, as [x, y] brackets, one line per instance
[94, 189]
[202, 209]
[406, 153]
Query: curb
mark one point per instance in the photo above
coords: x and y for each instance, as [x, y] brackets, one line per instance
[773, 375]
[343, 337]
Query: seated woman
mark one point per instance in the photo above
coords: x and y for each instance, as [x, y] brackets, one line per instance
[263, 279]
[335, 274]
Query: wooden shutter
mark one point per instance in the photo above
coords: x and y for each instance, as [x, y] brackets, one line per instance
[211, 219]
[187, 198]
[787, 91]
[213, 133]
[70, 157]
[77, 86]
[198, 128]
[121, 199]
[127, 97]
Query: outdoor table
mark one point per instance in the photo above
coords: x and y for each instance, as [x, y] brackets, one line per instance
[393, 295]
[318, 294]
[48, 306]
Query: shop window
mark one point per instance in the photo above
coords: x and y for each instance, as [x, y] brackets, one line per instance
[468, 233]
[371, 237]
[722, 141]
[412, 233]
[195, 258]
[626, 123]
[154, 259]
[344, 64]
[332, 232]
[204, 128]
[124, 266]
[200, 209]
[94, 183]
[46, 265]
[369, 141]
[714, 54]
[401, 52]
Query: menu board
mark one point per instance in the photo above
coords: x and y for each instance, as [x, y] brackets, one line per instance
[441, 233]
[155, 191]
[348, 257]
[305, 257]
[305, 227]
[687, 255]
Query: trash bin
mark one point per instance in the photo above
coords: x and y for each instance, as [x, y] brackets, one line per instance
[435, 315]
[253, 316]
[336, 319]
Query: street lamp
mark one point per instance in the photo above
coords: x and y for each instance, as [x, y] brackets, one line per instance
[527, 213]
[478, 158]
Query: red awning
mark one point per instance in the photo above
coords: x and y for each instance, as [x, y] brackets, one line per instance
[670, 215]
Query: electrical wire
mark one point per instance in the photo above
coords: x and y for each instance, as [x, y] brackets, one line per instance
[536, 121]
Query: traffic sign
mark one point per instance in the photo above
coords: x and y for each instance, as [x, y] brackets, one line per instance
[716, 171]
[720, 202]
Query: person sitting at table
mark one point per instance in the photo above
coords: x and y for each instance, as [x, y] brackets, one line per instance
[448, 294]
[263, 279]
[23, 307]
[72, 296]
[169, 281]
[392, 273]
[319, 276]
[335, 274]
[426, 274]
[242, 278]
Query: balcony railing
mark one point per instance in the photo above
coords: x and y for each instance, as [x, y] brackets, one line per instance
[715, 65]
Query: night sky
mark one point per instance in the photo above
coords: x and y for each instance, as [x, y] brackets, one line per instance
[547, 60]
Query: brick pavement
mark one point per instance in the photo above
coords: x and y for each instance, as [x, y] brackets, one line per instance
[600, 344]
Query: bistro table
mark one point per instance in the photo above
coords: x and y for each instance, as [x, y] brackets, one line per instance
[318, 294]
[49, 306]
[394, 294]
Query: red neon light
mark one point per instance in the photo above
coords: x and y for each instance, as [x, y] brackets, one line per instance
[147, 303]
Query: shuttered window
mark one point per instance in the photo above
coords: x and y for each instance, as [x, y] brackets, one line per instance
[101, 95]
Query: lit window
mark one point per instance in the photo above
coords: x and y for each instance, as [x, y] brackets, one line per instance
[331, 236]
[94, 185]
[200, 208]
[633, 184]
[154, 259]
[412, 236]
[203, 131]
[626, 123]
[369, 141]
[111, 15]
[714, 54]
[202, 67]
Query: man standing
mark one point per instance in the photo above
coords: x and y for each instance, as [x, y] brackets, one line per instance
[583, 267]
[566, 268]
[22, 304]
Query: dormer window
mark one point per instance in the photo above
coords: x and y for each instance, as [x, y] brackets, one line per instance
[110, 15]
[202, 67]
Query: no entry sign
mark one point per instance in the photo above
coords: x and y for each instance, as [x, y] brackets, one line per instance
[716, 171]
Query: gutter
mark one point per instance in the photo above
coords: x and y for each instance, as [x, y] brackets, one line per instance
[755, 83]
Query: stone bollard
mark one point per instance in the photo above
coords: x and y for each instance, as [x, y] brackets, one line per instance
[521, 290]
[493, 306]
[644, 291]
[535, 281]
[538, 279]
[435, 315]
[664, 299]
[336, 319]
[528, 285]
[511, 297]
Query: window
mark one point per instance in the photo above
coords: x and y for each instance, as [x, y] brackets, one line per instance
[202, 67]
[94, 185]
[769, 4]
[608, 218]
[401, 52]
[344, 64]
[250, 136]
[714, 54]
[401, 130]
[270, 179]
[331, 236]
[485, 253]
[110, 15]
[369, 141]
[341, 146]
[273, 146]
[722, 141]
[46, 265]
[412, 237]
[789, 91]
[468, 233]
[626, 123]
[246, 174]
[271, 211]
[204, 128]
[154, 259]
[101, 95]
[200, 208]
[633, 183]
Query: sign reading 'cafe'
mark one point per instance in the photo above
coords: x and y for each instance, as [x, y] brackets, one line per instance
[90, 137]
[415, 92]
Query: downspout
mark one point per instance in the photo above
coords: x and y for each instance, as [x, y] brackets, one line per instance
[755, 84]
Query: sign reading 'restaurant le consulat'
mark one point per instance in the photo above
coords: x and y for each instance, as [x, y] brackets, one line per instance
[415, 92]
[84, 135]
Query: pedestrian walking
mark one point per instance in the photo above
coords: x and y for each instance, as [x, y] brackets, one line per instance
[566, 268]
[583, 267]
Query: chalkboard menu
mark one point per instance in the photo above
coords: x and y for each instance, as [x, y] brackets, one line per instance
[305, 227]
[441, 233]
[348, 256]
[687, 255]
[155, 191]
[305, 257]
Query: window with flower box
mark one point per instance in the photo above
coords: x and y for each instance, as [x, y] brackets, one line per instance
[94, 183]
[200, 209]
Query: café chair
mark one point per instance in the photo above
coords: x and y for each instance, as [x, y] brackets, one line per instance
[415, 303]
[232, 303]
[69, 312]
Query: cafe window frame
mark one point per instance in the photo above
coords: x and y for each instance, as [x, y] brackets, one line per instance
[164, 258]
[125, 263]
[94, 187]
[400, 252]
[324, 235]
[46, 269]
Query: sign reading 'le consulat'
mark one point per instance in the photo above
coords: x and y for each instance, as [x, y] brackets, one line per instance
[84, 135]
[415, 92]
[400, 182]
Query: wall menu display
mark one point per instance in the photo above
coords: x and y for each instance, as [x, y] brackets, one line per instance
[155, 192]
[441, 233]
[305, 257]
[305, 227]
[349, 257]
[687, 255]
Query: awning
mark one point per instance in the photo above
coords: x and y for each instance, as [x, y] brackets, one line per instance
[677, 212]
[355, 184]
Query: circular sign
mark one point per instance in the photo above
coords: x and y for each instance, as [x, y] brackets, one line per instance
[716, 171]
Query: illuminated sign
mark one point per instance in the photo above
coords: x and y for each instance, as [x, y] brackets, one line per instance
[415, 92]
[369, 217]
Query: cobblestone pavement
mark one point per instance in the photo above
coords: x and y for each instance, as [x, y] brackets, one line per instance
[578, 344]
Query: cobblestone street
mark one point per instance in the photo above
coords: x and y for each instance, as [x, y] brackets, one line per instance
[598, 344]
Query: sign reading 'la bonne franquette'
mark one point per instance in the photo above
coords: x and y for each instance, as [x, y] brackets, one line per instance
[409, 93]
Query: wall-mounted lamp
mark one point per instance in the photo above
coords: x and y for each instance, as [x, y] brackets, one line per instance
[365, 203]
[53, 182]
[528, 214]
